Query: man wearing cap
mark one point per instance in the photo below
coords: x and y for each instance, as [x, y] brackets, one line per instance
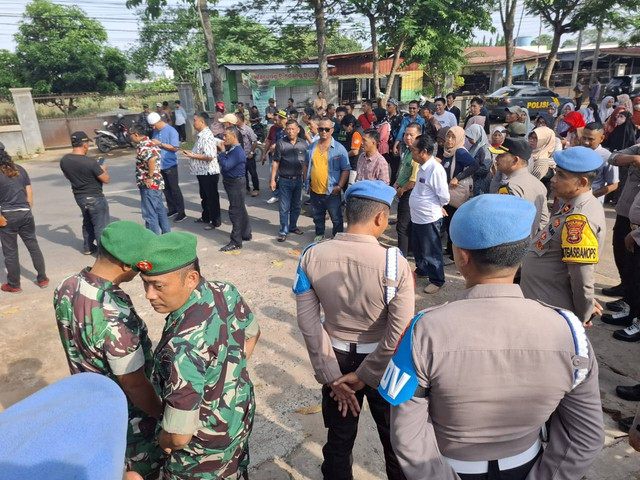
[102, 333]
[473, 381]
[276, 133]
[166, 137]
[516, 130]
[512, 115]
[512, 162]
[365, 312]
[200, 363]
[270, 112]
[559, 267]
[87, 177]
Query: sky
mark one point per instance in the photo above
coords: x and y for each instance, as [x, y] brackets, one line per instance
[121, 23]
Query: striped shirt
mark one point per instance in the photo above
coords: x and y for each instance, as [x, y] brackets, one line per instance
[374, 168]
[206, 144]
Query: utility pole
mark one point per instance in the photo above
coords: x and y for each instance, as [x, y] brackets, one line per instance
[576, 61]
[596, 55]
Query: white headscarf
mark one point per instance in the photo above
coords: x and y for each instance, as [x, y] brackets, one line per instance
[476, 133]
[605, 112]
[527, 123]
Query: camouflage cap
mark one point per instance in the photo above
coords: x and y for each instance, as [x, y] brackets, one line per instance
[126, 240]
[167, 253]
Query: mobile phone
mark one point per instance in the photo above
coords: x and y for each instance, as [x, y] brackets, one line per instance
[101, 160]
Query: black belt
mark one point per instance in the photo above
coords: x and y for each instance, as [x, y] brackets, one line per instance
[290, 177]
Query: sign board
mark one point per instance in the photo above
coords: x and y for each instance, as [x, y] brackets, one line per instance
[261, 98]
[283, 78]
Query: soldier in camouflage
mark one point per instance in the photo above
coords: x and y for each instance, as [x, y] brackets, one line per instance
[102, 333]
[200, 363]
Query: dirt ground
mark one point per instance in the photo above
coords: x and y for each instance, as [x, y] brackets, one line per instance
[288, 434]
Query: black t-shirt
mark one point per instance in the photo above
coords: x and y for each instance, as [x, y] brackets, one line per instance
[13, 191]
[290, 157]
[83, 173]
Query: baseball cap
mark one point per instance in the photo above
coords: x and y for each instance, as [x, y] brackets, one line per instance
[153, 118]
[229, 118]
[78, 138]
[516, 129]
[159, 104]
[514, 109]
[145, 105]
[515, 146]
[282, 114]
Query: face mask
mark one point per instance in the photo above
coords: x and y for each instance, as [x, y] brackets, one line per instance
[620, 120]
[636, 106]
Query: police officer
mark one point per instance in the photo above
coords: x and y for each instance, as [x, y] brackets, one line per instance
[474, 381]
[200, 363]
[560, 264]
[367, 293]
[102, 333]
[512, 162]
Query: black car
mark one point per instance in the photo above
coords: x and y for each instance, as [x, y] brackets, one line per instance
[533, 97]
[629, 84]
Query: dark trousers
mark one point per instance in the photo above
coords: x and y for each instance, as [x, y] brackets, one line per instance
[621, 229]
[20, 224]
[343, 430]
[518, 473]
[153, 211]
[427, 250]
[252, 170]
[172, 192]
[394, 164]
[320, 204]
[209, 198]
[241, 230]
[446, 221]
[290, 203]
[95, 217]
[182, 132]
[631, 281]
[404, 225]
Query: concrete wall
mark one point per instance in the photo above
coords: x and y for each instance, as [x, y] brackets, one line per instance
[55, 132]
[11, 137]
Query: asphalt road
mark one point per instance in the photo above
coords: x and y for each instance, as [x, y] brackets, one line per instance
[288, 433]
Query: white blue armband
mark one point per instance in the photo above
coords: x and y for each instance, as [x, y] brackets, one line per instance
[301, 283]
[400, 381]
[580, 343]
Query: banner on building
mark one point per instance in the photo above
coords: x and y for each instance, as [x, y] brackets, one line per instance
[284, 78]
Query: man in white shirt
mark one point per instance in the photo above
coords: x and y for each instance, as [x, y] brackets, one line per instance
[607, 178]
[430, 194]
[446, 119]
[180, 121]
[204, 165]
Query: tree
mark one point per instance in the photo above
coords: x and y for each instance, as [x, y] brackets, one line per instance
[59, 49]
[9, 69]
[508, 20]
[543, 40]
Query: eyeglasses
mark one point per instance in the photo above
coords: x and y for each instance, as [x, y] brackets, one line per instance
[324, 129]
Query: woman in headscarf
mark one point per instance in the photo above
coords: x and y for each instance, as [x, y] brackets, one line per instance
[612, 123]
[545, 120]
[526, 119]
[625, 101]
[636, 115]
[576, 124]
[497, 136]
[606, 108]
[441, 138]
[480, 152]
[622, 136]
[458, 165]
[587, 114]
[543, 144]
[381, 123]
[562, 127]
[595, 112]
[552, 110]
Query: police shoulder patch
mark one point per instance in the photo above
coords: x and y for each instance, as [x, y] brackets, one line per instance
[301, 283]
[505, 190]
[579, 243]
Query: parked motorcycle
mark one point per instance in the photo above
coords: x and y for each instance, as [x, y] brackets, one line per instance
[114, 135]
[258, 129]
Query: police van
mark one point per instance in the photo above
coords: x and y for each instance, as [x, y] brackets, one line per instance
[533, 97]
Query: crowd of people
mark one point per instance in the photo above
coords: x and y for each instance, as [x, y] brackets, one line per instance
[467, 390]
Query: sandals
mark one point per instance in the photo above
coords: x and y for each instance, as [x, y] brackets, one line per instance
[297, 231]
[282, 238]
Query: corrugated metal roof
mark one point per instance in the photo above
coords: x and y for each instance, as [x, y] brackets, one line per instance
[268, 66]
[497, 55]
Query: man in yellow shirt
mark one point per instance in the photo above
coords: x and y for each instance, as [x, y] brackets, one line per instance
[327, 165]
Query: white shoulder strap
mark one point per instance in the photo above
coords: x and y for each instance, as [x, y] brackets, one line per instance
[391, 272]
[579, 341]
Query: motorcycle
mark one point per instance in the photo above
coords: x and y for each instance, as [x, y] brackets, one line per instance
[114, 135]
[258, 129]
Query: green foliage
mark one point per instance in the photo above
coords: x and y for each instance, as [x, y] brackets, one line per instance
[8, 72]
[543, 40]
[158, 85]
[60, 49]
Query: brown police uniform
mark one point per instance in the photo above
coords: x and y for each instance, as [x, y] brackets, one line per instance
[493, 368]
[559, 267]
[348, 278]
[522, 184]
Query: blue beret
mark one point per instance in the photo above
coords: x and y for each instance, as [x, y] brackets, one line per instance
[491, 220]
[373, 190]
[578, 159]
[74, 428]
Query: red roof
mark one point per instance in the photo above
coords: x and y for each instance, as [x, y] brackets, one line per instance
[497, 55]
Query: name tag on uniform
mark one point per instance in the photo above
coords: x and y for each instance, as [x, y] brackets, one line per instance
[422, 180]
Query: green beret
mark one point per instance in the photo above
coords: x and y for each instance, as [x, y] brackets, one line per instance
[126, 240]
[167, 253]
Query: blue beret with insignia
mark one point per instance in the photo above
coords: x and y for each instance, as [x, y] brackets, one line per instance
[375, 190]
[578, 159]
[74, 428]
[490, 220]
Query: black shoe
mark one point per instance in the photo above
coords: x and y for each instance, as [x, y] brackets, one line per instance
[229, 247]
[179, 218]
[625, 424]
[629, 334]
[629, 393]
[247, 239]
[618, 306]
[171, 214]
[616, 291]
[620, 319]
[420, 275]
[199, 220]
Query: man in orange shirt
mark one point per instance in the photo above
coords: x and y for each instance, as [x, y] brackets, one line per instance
[350, 137]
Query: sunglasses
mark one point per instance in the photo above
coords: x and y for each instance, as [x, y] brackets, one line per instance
[324, 129]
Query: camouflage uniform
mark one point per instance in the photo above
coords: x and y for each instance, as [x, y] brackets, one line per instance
[102, 333]
[200, 372]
